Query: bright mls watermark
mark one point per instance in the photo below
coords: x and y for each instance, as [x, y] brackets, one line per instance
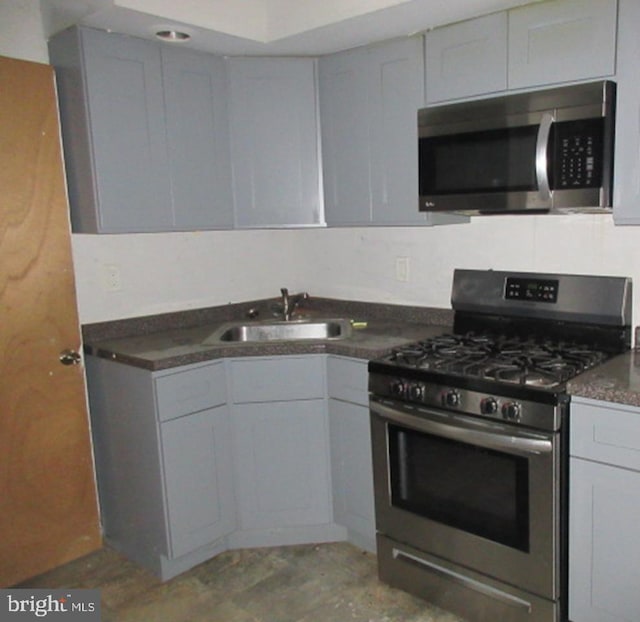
[76, 605]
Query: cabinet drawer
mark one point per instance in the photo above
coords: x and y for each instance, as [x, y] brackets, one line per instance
[606, 433]
[347, 380]
[190, 391]
[275, 379]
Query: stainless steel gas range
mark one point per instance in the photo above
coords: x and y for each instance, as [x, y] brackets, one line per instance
[470, 442]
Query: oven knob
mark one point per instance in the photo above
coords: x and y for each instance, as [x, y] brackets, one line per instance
[416, 392]
[511, 411]
[397, 388]
[489, 406]
[451, 398]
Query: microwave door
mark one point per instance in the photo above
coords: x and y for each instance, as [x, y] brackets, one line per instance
[500, 169]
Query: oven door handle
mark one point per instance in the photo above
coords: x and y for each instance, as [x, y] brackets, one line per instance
[498, 440]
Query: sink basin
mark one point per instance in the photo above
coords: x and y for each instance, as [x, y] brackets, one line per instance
[279, 330]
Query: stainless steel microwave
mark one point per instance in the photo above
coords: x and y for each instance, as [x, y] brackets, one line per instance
[546, 151]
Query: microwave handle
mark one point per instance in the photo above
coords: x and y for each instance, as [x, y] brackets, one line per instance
[542, 168]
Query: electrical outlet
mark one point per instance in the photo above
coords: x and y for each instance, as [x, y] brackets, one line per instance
[402, 269]
[111, 277]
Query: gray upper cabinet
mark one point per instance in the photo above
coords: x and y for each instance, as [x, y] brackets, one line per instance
[274, 142]
[145, 134]
[535, 45]
[113, 128]
[369, 99]
[561, 41]
[345, 137]
[466, 59]
[198, 139]
[626, 186]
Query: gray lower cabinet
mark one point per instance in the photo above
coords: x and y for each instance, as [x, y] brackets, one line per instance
[351, 466]
[236, 453]
[281, 451]
[162, 445]
[145, 134]
[604, 542]
[274, 142]
[369, 100]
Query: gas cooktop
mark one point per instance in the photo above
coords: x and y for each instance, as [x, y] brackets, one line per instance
[516, 341]
[510, 360]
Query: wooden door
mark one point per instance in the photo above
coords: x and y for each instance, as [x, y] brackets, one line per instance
[48, 507]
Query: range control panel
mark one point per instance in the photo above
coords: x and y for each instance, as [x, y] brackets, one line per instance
[534, 290]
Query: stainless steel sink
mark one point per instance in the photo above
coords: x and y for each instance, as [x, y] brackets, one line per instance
[279, 330]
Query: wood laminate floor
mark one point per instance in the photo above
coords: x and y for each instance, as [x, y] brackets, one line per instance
[310, 583]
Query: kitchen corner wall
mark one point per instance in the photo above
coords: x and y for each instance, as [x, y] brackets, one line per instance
[166, 272]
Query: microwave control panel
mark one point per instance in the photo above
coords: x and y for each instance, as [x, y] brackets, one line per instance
[578, 146]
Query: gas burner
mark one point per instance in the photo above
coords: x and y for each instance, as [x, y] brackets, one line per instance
[499, 358]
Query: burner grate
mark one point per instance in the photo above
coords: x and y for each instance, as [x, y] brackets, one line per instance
[502, 359]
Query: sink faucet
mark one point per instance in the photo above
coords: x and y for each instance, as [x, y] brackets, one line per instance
[291, 302]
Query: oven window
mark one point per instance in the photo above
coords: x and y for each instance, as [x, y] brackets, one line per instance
[481, 491]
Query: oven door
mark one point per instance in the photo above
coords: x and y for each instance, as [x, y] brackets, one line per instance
[480, 494]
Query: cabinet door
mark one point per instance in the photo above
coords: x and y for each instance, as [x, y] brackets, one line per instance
[195, 88]
[352, 471]
[281, 462]
[344, 119]
[396, 92]
[197, 462]
[626, 186]
[128, 133]
[274, 142]
[466, 59]
[561, 41]
[347, 379]
[604, 547]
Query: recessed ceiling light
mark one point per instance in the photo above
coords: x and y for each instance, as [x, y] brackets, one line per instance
[175, 36]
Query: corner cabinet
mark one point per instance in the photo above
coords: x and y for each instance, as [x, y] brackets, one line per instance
[162, 443]
[281, 451]
[604, 518]
[274, 142]
[144, 131]
[369, 99]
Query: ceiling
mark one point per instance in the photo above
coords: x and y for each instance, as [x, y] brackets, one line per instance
[268, 27]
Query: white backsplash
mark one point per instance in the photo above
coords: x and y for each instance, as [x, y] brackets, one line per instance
[173, 271]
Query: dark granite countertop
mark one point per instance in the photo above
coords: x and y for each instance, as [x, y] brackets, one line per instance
[175, 339]
[617, 380]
